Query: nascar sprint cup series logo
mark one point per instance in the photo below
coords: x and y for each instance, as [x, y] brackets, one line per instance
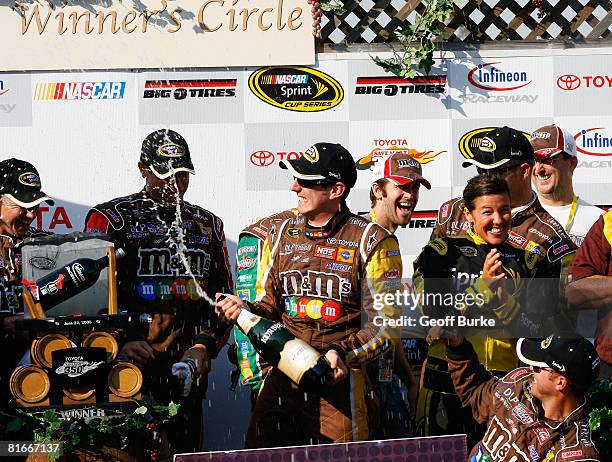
[296, 88]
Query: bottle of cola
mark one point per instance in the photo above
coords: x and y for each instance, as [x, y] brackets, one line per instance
[292, 356]
[67, 281]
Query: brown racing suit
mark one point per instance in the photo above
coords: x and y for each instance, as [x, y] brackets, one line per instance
[154, 281]
[323, 283]
[517, 430]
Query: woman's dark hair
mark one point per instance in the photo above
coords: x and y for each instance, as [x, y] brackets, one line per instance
[483, 185]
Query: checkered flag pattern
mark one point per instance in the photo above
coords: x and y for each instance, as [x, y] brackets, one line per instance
[371, 21]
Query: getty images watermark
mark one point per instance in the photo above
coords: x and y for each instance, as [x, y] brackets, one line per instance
[515, 305]
[407, 307]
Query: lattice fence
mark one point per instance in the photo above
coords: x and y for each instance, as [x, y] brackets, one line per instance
[371, 21]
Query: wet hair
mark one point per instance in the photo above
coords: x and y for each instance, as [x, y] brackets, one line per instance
[483, 185]
[381, 182]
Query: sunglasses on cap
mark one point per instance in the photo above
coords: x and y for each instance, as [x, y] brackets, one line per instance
[310, 184]
[496, 171]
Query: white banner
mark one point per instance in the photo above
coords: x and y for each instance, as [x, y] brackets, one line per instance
[154, 33]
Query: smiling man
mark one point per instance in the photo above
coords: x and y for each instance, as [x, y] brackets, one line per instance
[394, 194]
[532, 414]
[555, 163]
[20, 196]
[319, 274]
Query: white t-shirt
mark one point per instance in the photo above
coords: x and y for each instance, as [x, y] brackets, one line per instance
[586, 215]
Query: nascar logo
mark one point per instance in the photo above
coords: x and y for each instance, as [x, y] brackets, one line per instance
[79, 90]
[284, 79]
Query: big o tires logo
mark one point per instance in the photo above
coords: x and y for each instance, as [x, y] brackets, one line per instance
[294, 88]
[262, 158]
[568, 82]
[470, 141]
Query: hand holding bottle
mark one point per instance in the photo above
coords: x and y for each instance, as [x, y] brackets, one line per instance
[338, 368]
[228, 307]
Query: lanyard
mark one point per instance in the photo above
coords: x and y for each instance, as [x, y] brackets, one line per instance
[572, 213]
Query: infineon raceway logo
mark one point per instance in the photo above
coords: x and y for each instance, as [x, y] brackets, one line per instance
[490, 78]
[3, 88]
[594, 142]
[79, 90]
[182, 89]
[392, 86]
[295, 88]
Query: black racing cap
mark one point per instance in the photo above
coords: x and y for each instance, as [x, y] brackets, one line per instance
[500, 146]
[567, 353]
[20, 182]
[166, 153]
[324, 161]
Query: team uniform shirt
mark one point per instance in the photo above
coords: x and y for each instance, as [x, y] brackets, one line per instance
[453, 265]
[594, 258]
[577, 217]
[322, 283]
[154, 280]
[517, 430]
[319, 278]
[172, 254]
[533, 229]
[252, 366]
[10, 269]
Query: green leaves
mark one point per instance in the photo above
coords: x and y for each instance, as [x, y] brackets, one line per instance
[334, 6]
[96, 432]
[599, 401]
[417, 40]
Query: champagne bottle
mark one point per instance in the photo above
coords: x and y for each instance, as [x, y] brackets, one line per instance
[67, 281]
[292, 356]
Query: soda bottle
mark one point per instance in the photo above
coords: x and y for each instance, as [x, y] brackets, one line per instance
[67, 281]
[292, 356]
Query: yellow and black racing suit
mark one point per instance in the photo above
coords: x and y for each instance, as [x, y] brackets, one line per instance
[448, 273]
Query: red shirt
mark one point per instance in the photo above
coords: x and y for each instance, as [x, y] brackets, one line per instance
[594, 258]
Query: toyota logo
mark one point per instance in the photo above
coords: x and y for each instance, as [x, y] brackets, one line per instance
[262, 158]
[568, 82]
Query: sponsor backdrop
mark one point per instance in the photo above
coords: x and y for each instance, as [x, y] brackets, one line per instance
[83, 132]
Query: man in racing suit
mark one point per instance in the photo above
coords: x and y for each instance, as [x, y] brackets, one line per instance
[505, 152]
[175, 253]
[532, 414]
[394, 194]
[20, 197]
[322, 274]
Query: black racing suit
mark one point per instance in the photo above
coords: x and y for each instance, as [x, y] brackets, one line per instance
[166, 260]
[453, 265]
